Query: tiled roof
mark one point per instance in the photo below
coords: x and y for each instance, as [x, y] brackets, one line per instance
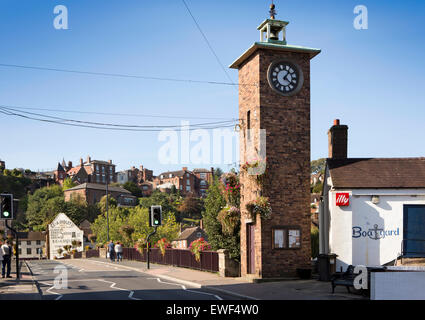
[97, 186]
[200, 170]
[377, 172]
[179, 173]
[188, 232]
[74, 170]
[32, 236]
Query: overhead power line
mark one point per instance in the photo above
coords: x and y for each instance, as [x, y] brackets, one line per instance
[115, 114]
[119, 75]
[208, 43]
[102, 126]
[114, 124]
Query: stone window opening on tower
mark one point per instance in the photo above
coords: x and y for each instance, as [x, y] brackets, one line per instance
[248, 124]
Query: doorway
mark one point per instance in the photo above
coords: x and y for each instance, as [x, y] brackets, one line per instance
[250, 248]
[414, 231]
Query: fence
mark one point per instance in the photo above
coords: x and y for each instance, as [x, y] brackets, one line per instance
[176, 257]
[93, 253]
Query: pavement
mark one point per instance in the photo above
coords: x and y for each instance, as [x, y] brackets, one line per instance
[99, 278]
[24, 288]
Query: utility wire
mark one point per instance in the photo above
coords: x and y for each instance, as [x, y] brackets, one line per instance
[119, 75]
[10, 113]
[208, 43]
[200, 125]
[115, 114]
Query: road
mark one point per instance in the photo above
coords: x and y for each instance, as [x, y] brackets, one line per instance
[84, 279]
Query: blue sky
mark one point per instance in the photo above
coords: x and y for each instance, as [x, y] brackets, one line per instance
[370, 79]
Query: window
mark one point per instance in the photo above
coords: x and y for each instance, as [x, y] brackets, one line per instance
[103, 169]
[145, 187]
[111, 170]
[203, 183]
[248, 121]
[181, 187]
[286, 238]
[38, 242]
[170, 175]
[188, 188]
[188, 181]
[28, 243]
[203, 175]
[187, 175]
[97, 167]
[73, 234]
[29, 251]
[104, 178]
[20, 251]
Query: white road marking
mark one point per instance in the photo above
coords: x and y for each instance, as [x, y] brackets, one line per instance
[188, 290]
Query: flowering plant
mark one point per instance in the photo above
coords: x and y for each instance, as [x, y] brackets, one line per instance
[231, 189]
[261, 205]
[197, 246]
[229, 218]
[256, 169]
[140, 245]
[163, 244]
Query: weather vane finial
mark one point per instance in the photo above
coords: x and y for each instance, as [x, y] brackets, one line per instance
[272, 11]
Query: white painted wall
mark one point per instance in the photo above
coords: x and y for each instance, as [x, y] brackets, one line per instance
[362, 213]
[397, 286]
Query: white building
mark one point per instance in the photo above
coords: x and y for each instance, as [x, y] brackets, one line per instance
[373, 210]
[62, 232]
[31, 244]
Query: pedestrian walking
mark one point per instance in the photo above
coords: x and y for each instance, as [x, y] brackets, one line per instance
[1, 253]
[7, 253]
[118, 250]
[111, 251]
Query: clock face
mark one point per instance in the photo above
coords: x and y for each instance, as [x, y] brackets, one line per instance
[285, 77]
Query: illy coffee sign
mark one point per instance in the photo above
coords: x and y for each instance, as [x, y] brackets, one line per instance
[343, 199]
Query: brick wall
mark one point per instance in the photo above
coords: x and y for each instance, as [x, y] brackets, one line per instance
[287, 124]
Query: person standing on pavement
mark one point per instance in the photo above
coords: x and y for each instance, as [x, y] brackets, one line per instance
[1, 253]
[7, 253]
[118, 250]
[111, 251]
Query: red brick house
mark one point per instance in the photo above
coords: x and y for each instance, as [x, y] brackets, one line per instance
[92, 193]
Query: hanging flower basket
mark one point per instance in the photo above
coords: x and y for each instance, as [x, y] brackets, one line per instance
[256, 169]
[229, 218]
[197, 246]
[259, 206]
[163, 244]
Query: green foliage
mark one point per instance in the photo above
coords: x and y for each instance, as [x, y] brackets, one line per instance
[133, 188]
[46, 203]
[314, 242]
[191, 207]
[214, 203]
[14, 184]
[158, 198]
[218, 172]
[138, 219]
[317, 188]
[68, 184]
[318, 166]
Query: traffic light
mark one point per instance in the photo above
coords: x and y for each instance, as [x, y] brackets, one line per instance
[155, 216]
[6, 207]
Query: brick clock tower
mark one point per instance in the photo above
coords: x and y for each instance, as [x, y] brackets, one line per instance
[274, 97]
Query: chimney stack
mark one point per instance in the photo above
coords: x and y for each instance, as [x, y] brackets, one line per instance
[69, 164]
[110, 161]
[184, 168]
[88, 159]
[81, 162]
[338, 140]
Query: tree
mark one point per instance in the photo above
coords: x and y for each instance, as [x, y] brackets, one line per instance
[217, 172]
[68, 184]
[214, 202]
[133, 188]
[318, 166]
[46, 203]
[131, 224]
[158, 198]
[191, 207]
